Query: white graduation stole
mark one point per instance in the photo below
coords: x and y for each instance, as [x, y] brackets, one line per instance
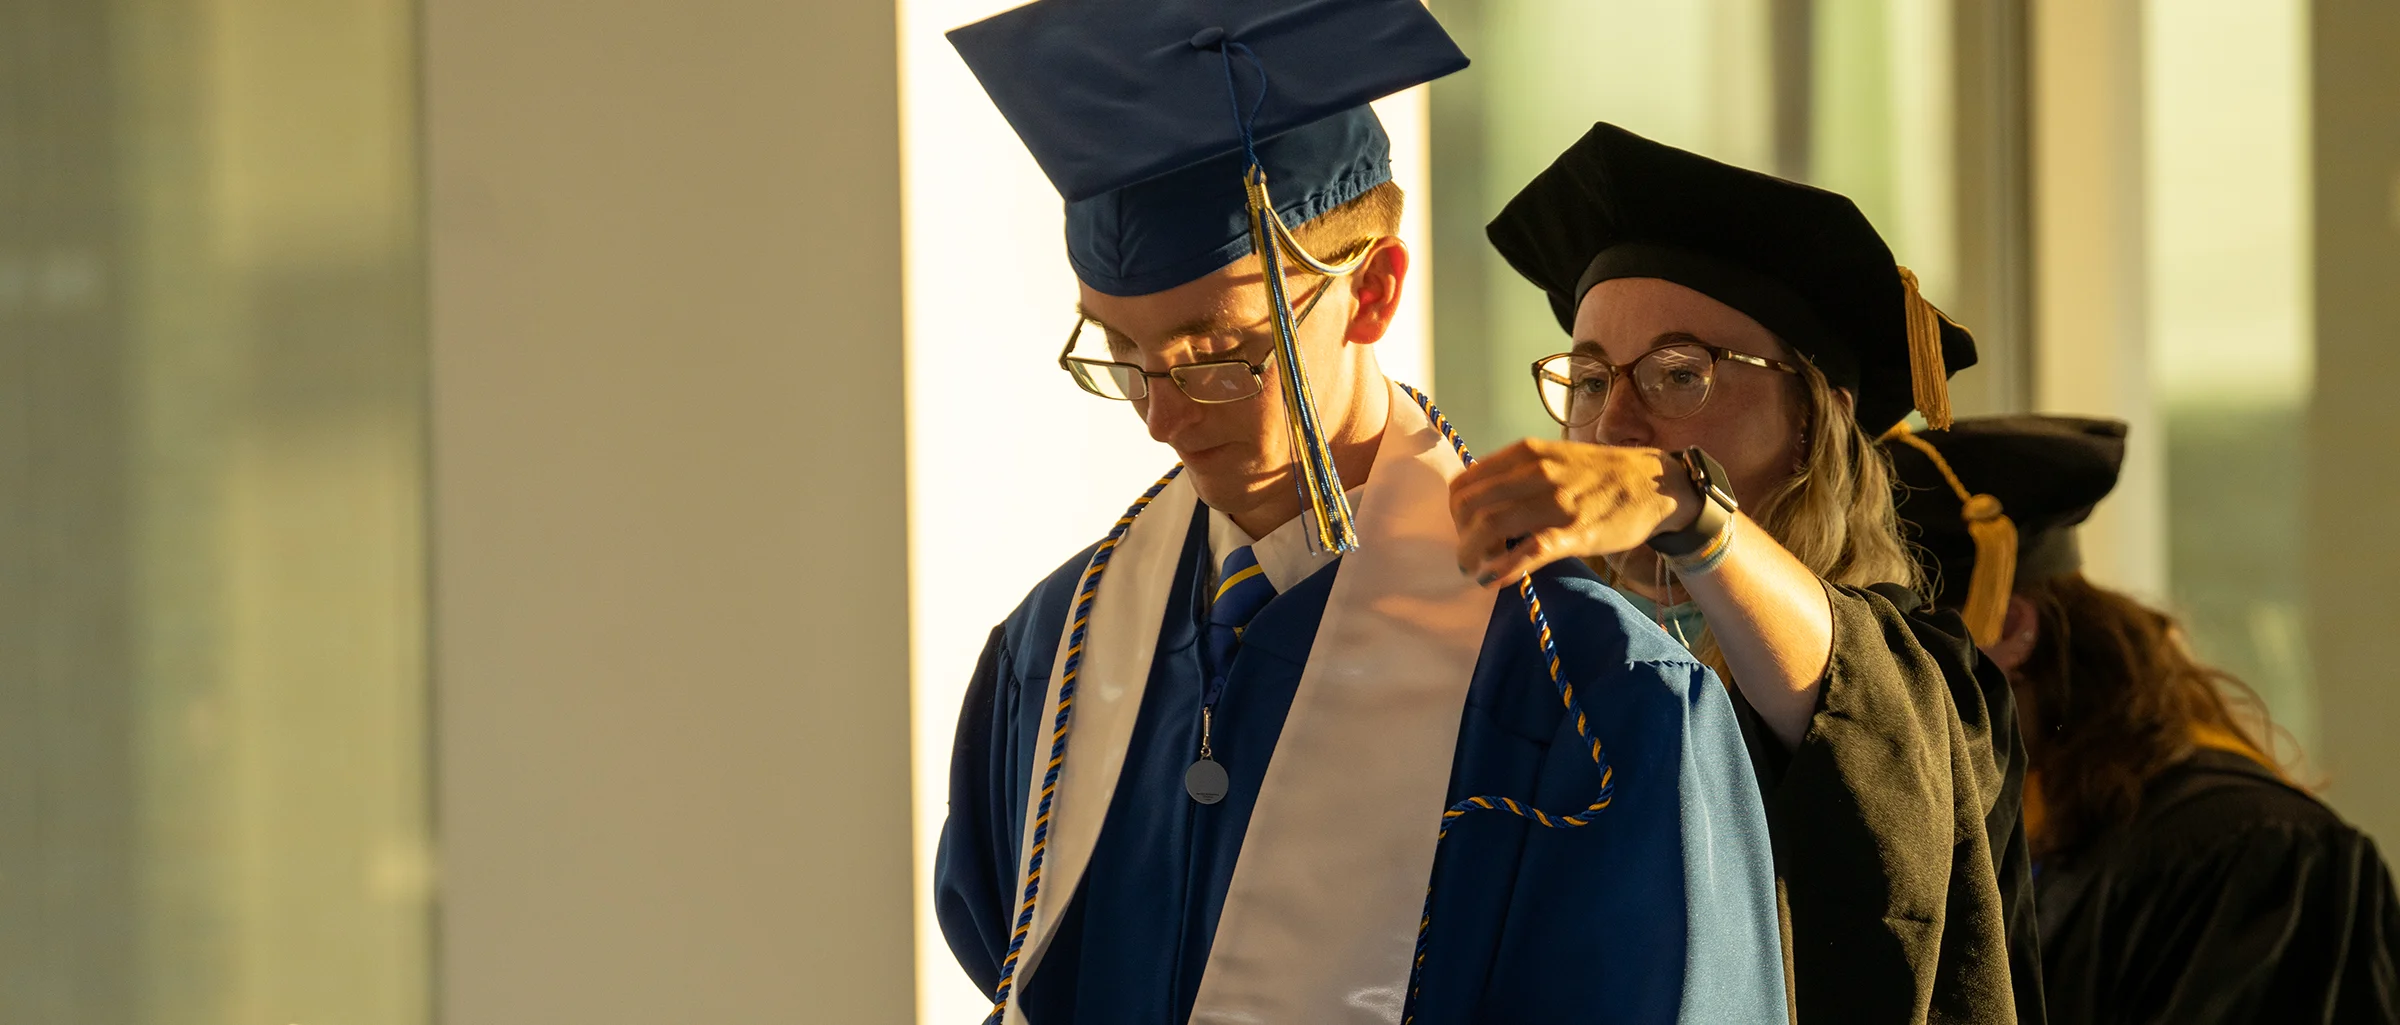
[1320, 920]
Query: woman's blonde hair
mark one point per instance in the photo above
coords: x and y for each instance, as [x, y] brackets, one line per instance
[1835, 512]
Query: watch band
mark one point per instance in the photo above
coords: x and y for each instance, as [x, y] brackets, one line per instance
[1717, 507]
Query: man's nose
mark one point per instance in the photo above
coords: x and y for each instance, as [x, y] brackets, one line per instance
[1168, 412]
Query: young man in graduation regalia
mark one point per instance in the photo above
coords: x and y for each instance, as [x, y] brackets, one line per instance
[1252, 758]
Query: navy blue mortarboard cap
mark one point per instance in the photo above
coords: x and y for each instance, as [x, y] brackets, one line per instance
[1127, 107]
[1159, 233]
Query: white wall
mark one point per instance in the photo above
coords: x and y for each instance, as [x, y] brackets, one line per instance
[671, 649]
[1012, 470]
[2354, 467]
[2091, 277]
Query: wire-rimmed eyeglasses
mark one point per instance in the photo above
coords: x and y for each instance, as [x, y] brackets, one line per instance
[1672, 381]
[1208, 382]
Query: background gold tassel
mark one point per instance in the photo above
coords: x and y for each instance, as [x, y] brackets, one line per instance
[1995, 576]
[1995, 537]
[1929, 378]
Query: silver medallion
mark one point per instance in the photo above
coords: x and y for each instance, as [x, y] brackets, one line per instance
[1206, 781]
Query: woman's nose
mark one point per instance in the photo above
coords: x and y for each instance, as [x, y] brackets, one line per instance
[1623, 420]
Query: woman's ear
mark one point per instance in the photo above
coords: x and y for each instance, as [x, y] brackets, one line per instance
[1848, 399]
[1376, 287]
[2020, 630]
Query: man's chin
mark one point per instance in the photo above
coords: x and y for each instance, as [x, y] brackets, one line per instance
[1221, 461]
[1224, 482]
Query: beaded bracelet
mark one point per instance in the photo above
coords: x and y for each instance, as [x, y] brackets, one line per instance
[1708, 558]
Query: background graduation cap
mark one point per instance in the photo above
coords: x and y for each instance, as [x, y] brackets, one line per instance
[1801, 261]
[1187, 134]
[1996, 500]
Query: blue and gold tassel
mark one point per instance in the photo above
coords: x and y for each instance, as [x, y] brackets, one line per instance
[1319, 480]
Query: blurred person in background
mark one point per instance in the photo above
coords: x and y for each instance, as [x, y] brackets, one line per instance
[2181, 875]
[1738, 341]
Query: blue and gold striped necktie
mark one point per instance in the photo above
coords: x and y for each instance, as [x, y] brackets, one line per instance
[1242, 590]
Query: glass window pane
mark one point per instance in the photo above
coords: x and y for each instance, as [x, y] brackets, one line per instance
[1691, 73]
[1853, 95]
[212, 686]
[2231, 355]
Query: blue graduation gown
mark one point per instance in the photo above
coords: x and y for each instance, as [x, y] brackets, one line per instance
[1529, 924]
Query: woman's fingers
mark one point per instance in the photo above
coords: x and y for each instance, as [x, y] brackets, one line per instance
[1510, 464]
[1537, 550]
[1489, 513]
[1572, 498]
[1487, 534]
[1521, 489]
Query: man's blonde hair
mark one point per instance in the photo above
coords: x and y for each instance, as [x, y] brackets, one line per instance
[1341, 232]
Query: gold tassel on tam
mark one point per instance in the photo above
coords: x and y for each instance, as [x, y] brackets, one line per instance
[1928, 377]
[1995, 537]
[1995, 576]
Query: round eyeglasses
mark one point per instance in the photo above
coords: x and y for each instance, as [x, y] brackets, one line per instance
[1672, 381]
[1209, 382]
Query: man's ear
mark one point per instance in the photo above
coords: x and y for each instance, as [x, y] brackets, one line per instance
[1376, 287]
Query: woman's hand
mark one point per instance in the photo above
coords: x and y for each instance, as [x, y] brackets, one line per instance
[1562, 499]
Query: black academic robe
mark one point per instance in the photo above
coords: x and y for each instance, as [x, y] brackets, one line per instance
[2229, 897]
[1900, 852]
[1660, 911]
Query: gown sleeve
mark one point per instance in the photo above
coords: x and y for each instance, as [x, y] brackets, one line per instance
[1944, 635]
[975, 862]
[991, 763]
[1899, 851]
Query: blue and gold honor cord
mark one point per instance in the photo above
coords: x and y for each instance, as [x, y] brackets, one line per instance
[1084, 593]
[1089, 587]
[1566, 696]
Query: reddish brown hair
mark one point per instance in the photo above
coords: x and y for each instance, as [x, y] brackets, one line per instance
[2116, 696]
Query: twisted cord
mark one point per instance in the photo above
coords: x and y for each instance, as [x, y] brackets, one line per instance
[1245, 121]
[1566, 696]
[1085, 592]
